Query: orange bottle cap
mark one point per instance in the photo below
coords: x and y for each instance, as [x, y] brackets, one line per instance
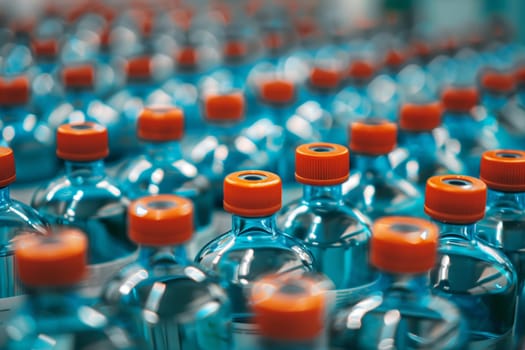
[235, 49]
[252, 193]
[160, 220]
[82, 142]
[498, 82]
[373, 136]
[519, 75]
[82, 76]
[228, 107]
[325, 78]
[361, 69]
[421, 49]
[321, 164]
[187, 57]
[420, 117]
[403, 244]
[394, 58]
[45, 47]
[278, 91]
[161, 124]
[139, 67]
[290, 309]
[58, 259]
[14, 92]
[456, 199]
[7, 167]
[274, 41]
[503, 170]
[459, 99]
[105, 37]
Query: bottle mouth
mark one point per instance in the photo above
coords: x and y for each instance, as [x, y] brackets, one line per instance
[463, 183]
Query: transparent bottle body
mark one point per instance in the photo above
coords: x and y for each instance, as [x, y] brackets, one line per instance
[336, 235]
[481, 282]
[169, 303]
[374, 189]
[228, 147]
[32, 142]
[86, 198]
[16, 218]
[401, 314]
[59, 319]
[252, 249]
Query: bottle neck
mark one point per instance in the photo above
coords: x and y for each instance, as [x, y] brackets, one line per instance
[413, 283]
[377, 164]
[418, 142]
[54, 300]
[327, 195]
[80, 172]
[462, 231]
[5, 197]
[245, 225]
[164, 151]
[224, 129]
[514, 200]
[170, 255]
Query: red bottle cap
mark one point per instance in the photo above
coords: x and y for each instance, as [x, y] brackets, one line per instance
[325, 78]
[361, 70]
[82, 142]
[82, 76]
[45, 47]
[14, 92]
[373, 136]
[7, 167]
[139, 67]
[321, 164]
[503, 170]
[460, 99]
[187, 57]
[160, 124]
[455, 199]
[252, 193]
[235, 49]
[161, 220]
[228, 107]
[498, 82]
[278, 91]
[394, 58]
[420, 117]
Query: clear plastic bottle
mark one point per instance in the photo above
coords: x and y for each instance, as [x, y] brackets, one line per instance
[402, 312]
[503, 171]
[421, 153]
[55, 316]
[15, 218]
[374, 188]
[479, 279]
[162, 168]
[468, 134]
[336, 234]
[169, 302]
[25, 133]
[87, 198]
[253, 247]
[291, 312]
[229, 144]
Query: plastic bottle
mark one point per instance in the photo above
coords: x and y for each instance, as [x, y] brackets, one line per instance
[87, 198]
[503, 171]
[374, 188]
[291, 312]
[336, 234]
[479, 279]
[55, 316]
[468, 136]
[162, 168]
[402, 312]
[169, 302]
[25, 133]
[15, 217]
[229, 144]
[253, 247]
[421, 153]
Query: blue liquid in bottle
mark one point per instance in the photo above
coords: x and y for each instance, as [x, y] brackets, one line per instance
[162, 168]
[504, 223]
[167, 301]
[291, 312]
[253, 247]
[24, 132]
[421, 153]
[402, 312]
[374, 188]
[478, 278]
[336, 234]
[15, 218]
[87, 198]
[55, 316]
